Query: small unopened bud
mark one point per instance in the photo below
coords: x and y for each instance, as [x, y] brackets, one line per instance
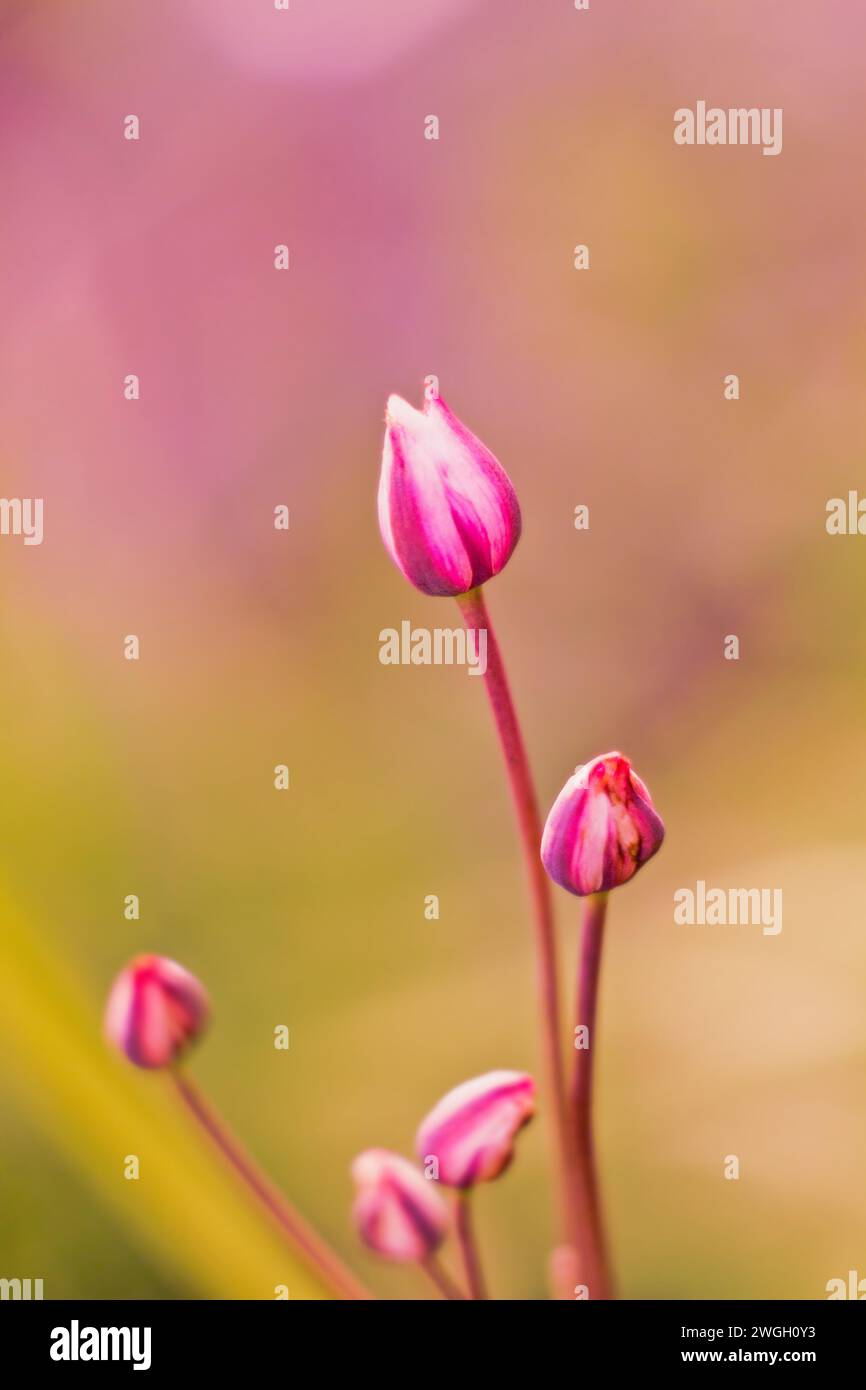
[471, 1131]
[601, 828]
[155, 1010]
[397, 1211]
[448, 513]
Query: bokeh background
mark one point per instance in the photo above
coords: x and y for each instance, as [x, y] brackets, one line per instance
[259, 647]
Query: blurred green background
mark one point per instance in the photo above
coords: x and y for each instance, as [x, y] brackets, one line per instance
[261, 647]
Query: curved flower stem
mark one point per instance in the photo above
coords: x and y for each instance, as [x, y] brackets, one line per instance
[475, 616]
[305, 1240]
[468, 1246]
[593, 1254]
[441, 1278]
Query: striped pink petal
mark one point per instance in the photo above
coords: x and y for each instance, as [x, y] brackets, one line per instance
[155, 1010]
[396, 1211]
[601, 828]
[448, 513]
[471, 1131]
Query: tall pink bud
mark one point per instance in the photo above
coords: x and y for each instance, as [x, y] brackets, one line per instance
[471, 1131]
[155, 1010]
[397, 1211]
[448, 514]
[601, 828]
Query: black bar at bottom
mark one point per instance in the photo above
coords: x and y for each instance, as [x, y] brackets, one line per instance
[255, 1339]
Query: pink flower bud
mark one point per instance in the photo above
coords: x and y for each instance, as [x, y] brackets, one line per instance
[471, 1131]
[155, 1010]
[601, 828]
[448, 514]
[397, 1212]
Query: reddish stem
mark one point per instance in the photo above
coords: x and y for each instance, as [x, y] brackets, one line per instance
[475, 616]
[441, 1278]
[307, 1242]
[594, 1270]
[468, 1246]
